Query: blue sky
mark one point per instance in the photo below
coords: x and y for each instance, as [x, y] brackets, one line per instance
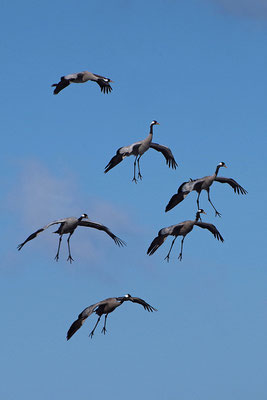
[199, 68]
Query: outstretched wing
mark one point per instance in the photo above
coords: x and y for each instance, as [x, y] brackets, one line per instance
[156, 243]
[237, 188]
[211, 228]
[61, 85]
[170, 161]
[184, 189]
[82, 317]
[101, 227]
[114, 161]
[146, 306]
[33, 235]
[103, 83]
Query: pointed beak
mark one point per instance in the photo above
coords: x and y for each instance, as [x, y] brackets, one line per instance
[111, 81]
[225, 166]
[157, 123]
[203, 212]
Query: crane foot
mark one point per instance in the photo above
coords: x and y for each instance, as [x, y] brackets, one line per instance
[180, 257]
[70, 259]
[104, 330]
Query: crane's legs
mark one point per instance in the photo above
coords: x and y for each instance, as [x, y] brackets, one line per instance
[104, 327]
[216, 212]
[168, 255]
[134, 178]
[91, 334]
[139, 172]
[181, 252]
[70, 259]
[59, 243]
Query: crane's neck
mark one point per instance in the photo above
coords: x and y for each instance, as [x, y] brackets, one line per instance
[150, 135]
[151, 129]
[121, 300]
[197, 217]
[217, 170]
[79, 219]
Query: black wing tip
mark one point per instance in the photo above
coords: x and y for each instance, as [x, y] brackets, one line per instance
[107, 168]
[168, 207]
[150, 308]
[106, 89]
[241, 190]
[119, 242]
[218, 236]
[152, 249]
[19, 247]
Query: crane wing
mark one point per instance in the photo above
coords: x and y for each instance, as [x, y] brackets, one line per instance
[101, 227]
[166, 151]
[237, 188]
[104, 84]
[183, 190]
[61, 85]
[156, 243]
[82, 317]
[143, 303]
[211, 228]
[114, 161]
[33, 235]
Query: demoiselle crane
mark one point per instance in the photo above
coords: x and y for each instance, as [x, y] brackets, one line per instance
[203, 184]
[181, 229]
[104, 307]
[138, 149]
[82, 77]
[68, 225]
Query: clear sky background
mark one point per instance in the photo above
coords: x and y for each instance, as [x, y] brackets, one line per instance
[199, 68]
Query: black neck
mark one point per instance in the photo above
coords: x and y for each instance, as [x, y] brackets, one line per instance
[151, 129]
[197, 216]
[121, 299]
[217, 169]
[79, 219]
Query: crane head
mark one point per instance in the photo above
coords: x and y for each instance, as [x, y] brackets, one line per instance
[222, 164]
[201, 211]
[84, 216]
[154, 123]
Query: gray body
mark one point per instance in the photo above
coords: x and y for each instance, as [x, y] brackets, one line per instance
[181, 229]
[104, 307]
[68, 225]
[203, 184]
[137, 149]
[82, 77]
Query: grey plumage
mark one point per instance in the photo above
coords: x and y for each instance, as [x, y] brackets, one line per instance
[203, 184]
[82, 77]
[104, 307]
[137, 149]
[181, 229]
[68, 225]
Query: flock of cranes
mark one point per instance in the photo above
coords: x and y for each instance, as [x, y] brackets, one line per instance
[137, 149]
